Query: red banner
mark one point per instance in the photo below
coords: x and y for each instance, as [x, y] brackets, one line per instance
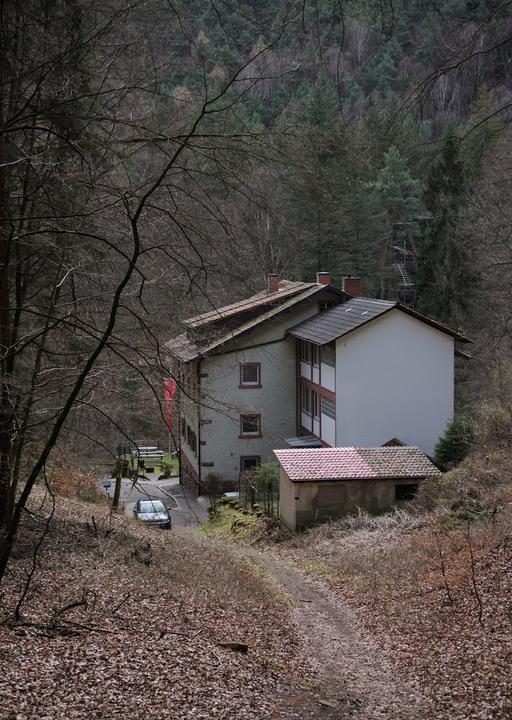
[169, 390]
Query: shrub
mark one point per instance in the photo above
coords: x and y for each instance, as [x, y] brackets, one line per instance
[495, 425]
[166, 469]
[481, 483]
[73, 483]
[266, 478]
[456, 442]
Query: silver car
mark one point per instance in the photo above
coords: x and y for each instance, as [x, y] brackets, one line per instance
[152, 512]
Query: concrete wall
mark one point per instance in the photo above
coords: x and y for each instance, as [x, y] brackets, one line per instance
[222, 400]
[305, 503]
[394, 378]
[287, 500]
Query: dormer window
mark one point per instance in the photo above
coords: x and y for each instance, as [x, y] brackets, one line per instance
[250, 375]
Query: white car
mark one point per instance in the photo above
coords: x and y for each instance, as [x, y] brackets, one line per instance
[152, 512]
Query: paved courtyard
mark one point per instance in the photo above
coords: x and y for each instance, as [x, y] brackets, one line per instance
[185, 509]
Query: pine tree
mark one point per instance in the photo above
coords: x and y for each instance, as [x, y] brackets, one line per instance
[446, 279]
[397, 196]
[456, 442]
[398, 192]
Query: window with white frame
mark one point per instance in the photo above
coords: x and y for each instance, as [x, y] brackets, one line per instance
[250, 374]
[329, 355]
[250, 425]
[305, 351]
[249, 462]
[315, 404]
[306, 400]
[328, 408]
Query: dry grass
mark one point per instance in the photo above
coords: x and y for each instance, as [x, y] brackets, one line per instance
[434, 587]
[482, 481]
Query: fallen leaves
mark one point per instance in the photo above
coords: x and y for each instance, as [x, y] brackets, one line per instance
[439, 606]
[106, 634]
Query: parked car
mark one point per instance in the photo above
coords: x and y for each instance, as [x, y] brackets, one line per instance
[152, 512]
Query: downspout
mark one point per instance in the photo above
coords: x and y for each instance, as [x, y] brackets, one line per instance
[198, 370]
[298, 396]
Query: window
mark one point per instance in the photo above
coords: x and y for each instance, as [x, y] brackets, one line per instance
[314, 354]
[306, 399]
[250, 425]
[250, 375]
[329, 355]
[324, 304]
[249, 462]
[315, 403]
[304, 351]
[192, 439]
[183, 427]
[406, 491]
[328, 408]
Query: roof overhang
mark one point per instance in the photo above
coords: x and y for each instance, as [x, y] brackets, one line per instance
[273, 312]
[298, 332]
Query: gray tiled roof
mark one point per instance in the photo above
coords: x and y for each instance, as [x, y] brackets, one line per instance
[341, 319]
[353, 463]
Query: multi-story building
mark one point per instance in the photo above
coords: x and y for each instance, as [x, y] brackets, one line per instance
[307, 364]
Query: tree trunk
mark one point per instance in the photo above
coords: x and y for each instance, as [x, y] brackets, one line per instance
[6, 410]
[117, 489]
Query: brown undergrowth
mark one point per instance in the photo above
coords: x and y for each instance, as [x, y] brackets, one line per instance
[125, 621]
[434, 587]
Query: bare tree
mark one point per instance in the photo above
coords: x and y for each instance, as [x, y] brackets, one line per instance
[113, 187]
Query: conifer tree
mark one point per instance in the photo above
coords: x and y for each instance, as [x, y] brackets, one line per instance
[446, 279]
[456, 442]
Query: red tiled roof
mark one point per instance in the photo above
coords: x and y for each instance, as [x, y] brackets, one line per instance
[350, 463]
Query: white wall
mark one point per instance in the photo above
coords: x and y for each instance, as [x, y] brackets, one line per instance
[394, 378]
[328, 377]
[328, 430]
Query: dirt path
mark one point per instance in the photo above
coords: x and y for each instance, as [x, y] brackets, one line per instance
[353, 680]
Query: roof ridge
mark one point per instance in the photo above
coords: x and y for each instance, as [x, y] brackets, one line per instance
[377, 300]
[260, 298]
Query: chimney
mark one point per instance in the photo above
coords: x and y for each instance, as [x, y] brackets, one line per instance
[323, 278]
[272, 282]
[352, 285]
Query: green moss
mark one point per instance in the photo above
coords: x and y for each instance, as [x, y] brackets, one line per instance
[230, 522]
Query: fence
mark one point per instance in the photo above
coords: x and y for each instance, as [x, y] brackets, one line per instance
[262, 495]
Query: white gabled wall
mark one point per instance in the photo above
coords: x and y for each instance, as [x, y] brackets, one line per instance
[394, 378]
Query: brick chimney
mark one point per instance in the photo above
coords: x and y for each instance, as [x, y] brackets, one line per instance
[323, 278]
[272, 282]
[352, 285]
